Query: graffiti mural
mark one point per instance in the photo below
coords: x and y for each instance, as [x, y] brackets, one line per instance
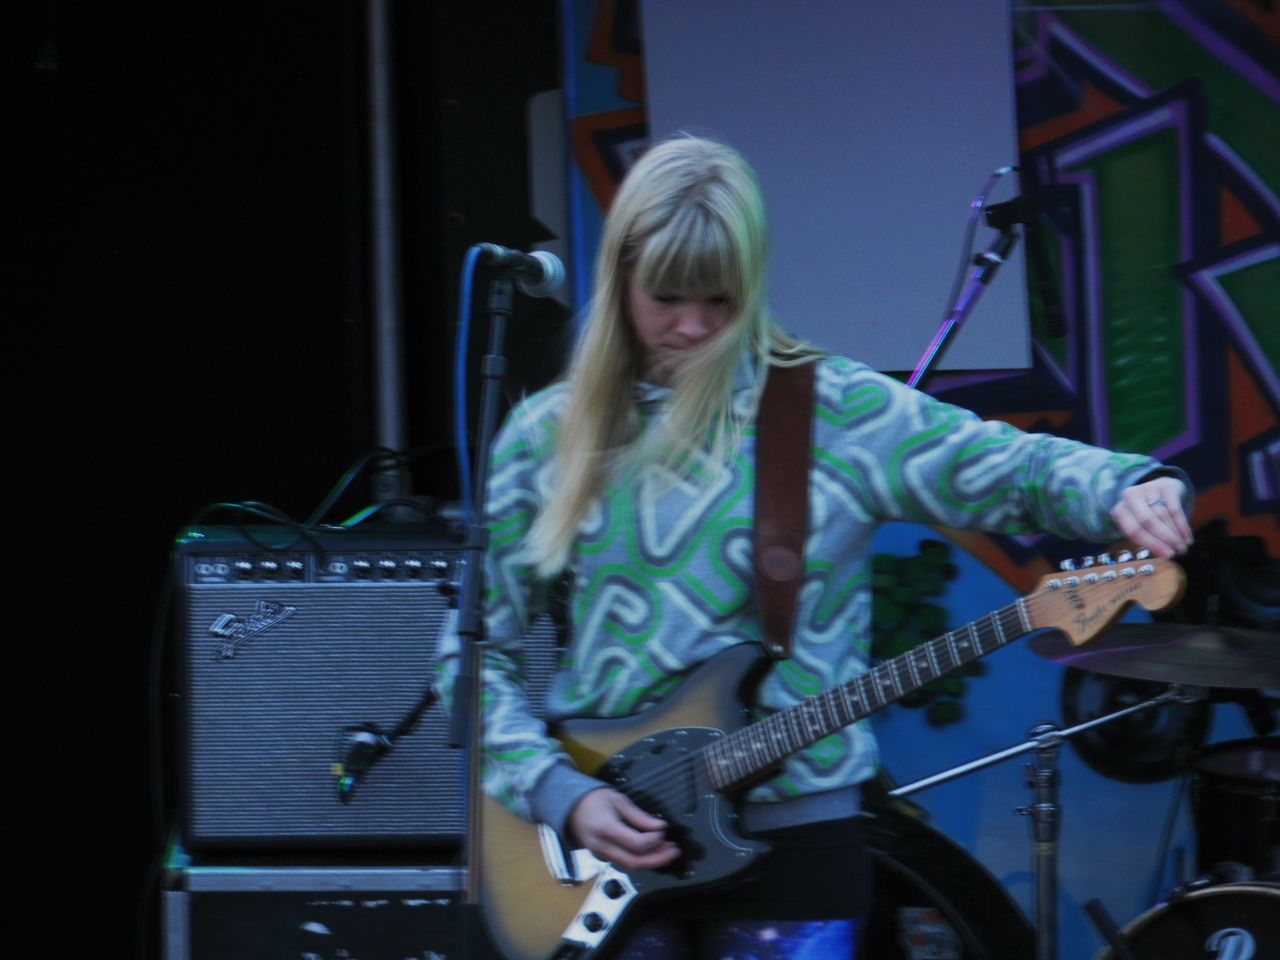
[1154, 137]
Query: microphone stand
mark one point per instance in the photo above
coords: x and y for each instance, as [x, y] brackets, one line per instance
[467, 721]
[1002, 217]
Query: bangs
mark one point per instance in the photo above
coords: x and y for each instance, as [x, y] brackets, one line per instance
[693, 254]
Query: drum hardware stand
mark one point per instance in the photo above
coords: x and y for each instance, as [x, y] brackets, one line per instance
[1043, 778]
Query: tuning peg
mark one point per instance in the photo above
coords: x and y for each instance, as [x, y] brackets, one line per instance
[1144, 554]
[1067, 564]
[1086, 561]
[1125, 556]
[1105, 558]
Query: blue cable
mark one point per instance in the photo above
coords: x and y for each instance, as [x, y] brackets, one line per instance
[460, 383]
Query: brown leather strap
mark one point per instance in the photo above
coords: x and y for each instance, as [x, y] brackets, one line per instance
[784, 448]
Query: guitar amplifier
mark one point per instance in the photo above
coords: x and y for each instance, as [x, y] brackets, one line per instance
[290, 645]
[244, 913]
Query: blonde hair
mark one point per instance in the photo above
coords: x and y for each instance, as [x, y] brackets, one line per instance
[688, 220]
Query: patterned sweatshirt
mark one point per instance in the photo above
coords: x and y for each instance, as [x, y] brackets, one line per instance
[663, 569]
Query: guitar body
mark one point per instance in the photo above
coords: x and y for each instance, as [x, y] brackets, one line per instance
[528, 910]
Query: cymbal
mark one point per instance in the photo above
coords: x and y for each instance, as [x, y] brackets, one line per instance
[1173, 653]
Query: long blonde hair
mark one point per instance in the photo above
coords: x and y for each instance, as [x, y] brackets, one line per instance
[689, 220]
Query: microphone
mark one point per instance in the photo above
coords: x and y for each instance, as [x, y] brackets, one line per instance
[538, 274]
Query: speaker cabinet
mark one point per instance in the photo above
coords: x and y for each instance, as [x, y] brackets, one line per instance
[246, 913]
[288, 642]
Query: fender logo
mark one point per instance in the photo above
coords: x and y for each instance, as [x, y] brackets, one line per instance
[236, 632]
[1085, 621]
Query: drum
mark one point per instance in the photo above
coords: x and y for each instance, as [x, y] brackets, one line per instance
[932, 899]
[1235, 804]
[1231, 921]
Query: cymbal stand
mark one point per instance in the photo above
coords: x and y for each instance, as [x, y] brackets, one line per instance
[1043, 777]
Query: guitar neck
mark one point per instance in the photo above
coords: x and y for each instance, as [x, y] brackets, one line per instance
[744, 755]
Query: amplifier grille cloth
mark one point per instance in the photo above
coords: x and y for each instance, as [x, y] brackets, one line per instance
[264, 727]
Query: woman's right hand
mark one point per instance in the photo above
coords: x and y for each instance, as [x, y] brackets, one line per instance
[613, 828]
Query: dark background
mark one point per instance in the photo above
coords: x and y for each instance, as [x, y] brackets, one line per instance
[188, 307]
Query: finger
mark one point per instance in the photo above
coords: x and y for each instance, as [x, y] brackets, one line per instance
[1164, 497]
[1166, 507]
[1145, 518]
[1150, 533]
[633, 841]
[1131, 525]
[620, 855]
[635, 816]
[1180, 519]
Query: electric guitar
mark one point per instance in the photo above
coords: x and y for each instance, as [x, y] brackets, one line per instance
[687, 758]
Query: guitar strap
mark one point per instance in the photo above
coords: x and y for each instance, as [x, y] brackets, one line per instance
[784, 448]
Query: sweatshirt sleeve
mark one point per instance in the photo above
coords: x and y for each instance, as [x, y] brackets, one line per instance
[524, 768]
[919, 459]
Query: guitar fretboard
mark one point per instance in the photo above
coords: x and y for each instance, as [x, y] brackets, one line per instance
[759, 747]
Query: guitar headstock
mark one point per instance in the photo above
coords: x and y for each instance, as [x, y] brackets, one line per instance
[1086, 597]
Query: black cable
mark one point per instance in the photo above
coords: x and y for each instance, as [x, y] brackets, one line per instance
[146, 897]
[155, 699]
[160, 630]
[427, 509]
[392, 457]
[264, 511]
[1166, 837]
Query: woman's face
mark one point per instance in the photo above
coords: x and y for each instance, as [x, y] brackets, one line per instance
[667, 326]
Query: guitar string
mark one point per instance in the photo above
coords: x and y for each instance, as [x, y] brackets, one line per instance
[1027, 612]
[989, 631]
[656, 782]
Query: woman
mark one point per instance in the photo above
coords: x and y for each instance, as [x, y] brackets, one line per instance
[636, 475]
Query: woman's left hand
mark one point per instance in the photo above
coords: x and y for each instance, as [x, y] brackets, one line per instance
[1151, 515]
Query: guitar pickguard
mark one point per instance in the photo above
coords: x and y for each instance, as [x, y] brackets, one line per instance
[662, 774]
